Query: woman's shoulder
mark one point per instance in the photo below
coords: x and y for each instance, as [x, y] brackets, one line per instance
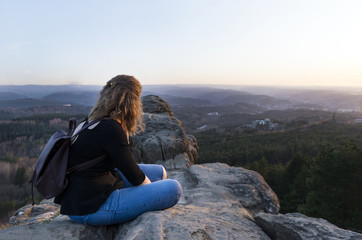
[112, 129]
[109, 120]
[103, 123]
[112, 125]
[109, 123]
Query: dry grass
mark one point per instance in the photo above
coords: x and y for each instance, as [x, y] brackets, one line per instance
[4, 225]
[4, 221]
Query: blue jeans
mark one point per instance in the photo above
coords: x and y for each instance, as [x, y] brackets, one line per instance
[130, 201]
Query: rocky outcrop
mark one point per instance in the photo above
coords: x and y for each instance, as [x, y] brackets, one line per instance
[218, 202]
[164, 140]
[211, 207]
[247, 187]
[299, 227]
[34, 214]
[156, 105]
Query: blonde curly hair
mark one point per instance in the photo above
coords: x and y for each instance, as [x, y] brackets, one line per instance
[120, 99]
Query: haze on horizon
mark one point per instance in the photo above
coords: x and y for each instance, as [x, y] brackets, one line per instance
[273, 43]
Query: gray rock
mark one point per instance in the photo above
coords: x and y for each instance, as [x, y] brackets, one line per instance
[208, 209]
[300, 227]
[164, 140]
[193, 147]
[247, 186]
[155, 104]
[33, 214]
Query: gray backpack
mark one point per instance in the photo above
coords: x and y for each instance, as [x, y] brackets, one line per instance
[51, 168]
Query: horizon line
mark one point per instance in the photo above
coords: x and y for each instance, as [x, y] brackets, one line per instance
[199, 84]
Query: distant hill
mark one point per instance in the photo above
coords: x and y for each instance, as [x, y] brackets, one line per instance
[217, 95]
[261, 100]
[189, 91]
[333, 100]
[39, 91]
[267, 97]
[10, 96]
[175, 101]
[25, 103]
[85, 98]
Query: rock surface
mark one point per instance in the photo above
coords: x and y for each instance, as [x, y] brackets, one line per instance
[218, 202]
[164, 140]
[33, 214]
[156, 105]
[298, 226]
[211, 207]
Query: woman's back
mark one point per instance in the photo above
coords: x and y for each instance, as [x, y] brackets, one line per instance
[88, 189]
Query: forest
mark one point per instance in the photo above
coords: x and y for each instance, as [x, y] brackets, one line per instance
[315, 170]
[21, 142]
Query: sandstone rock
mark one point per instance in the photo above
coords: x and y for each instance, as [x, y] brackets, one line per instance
[45, 211]
[300, 227]
[246, 186]
[164, 140]
[155, 104]
[208, 209]
[193, 147]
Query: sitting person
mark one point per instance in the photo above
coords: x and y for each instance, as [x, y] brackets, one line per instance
[117, 189]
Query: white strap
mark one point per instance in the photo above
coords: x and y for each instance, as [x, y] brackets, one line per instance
[80, 127]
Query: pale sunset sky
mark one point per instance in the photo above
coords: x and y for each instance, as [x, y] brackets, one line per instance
[246, 42]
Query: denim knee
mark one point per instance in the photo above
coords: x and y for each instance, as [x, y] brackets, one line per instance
[175, 189]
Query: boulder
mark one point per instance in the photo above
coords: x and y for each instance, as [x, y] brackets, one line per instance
[164, 140]
[33, 214]
[156, 105]
[247, 187]
[300, 227]
[209, 209]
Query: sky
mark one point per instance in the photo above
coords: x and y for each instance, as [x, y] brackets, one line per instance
[236, 42]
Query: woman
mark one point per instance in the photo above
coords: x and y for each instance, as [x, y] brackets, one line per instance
[98, 195]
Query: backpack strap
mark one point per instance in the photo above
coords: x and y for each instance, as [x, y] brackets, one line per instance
[87, 125]
[32, 188]
[72, 126]
[85, 165]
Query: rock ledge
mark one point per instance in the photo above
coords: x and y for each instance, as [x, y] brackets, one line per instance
[219, 202]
